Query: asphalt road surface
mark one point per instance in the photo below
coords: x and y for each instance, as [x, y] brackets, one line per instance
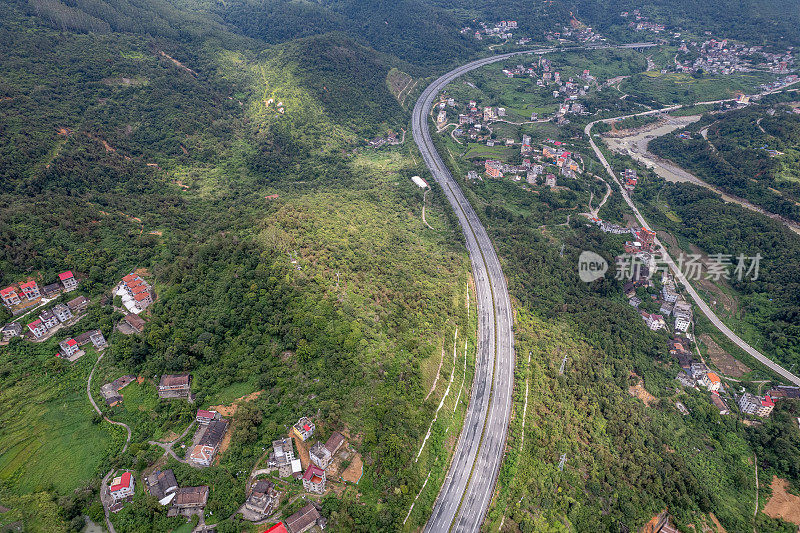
[758, 356]
[467, 489]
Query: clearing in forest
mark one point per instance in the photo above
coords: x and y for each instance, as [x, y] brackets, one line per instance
[782, 504]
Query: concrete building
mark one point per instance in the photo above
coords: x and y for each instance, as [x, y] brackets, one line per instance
[31, 290]
[49, 319]
[68, 280]
[282, 456]
[175, 386]
[9, 296]
[314, 480]
[11, 330]
[163, 485]
[69, 347]
[304, 428]
[750, 404]
[122, 487]
[62, 312]
[37, 328]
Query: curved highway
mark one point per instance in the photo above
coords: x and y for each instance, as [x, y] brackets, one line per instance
[719, 324]
[467, 489]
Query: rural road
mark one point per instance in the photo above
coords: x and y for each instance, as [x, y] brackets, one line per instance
[758, 356]
[99, 412]
[467, 489]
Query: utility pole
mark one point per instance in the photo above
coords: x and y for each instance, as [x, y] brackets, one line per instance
[561, 462]
[563, 363]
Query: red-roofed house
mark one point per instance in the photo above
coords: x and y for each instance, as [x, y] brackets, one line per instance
[37, 328]
[30, 289]
[130, 285]
[122, 487]
[205, 417]
[754, 405]
[143, 299]
[9, 296]
[68, 347]
[130, 277]
[711, 381]
[277, 528]
[314, 480]
[69, 281]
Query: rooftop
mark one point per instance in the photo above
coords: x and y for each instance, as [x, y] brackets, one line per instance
[65, 275]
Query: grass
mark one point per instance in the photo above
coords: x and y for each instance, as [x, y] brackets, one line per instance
[679, 88]
[48, 438]
[482, 151]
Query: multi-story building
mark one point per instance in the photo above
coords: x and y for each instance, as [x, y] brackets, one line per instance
[314, 480]
[97, 338]
[710, 381]
[282, 456]
[31, 290]
[69, 347]
[750, 404]
[62, 312]
[122, 487]
[175, 386]
[320, 455]
[37, 328]
[203, 453]
[11, 330]
[304, 428]
[68, 280]
[10, 296]
[49, 319]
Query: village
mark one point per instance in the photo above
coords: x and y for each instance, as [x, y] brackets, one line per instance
[291, 468]
[674, 316]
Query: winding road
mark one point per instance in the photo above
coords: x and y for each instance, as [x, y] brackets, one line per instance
[707, 311]
[468, 486]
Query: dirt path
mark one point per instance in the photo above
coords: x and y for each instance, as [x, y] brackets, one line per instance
[438, 373]
[167, 446]
[99, 412]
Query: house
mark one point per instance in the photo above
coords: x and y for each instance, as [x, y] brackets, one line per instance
[262, 499]
[668, 293]
[698, 370]
[277, 528]
[11, 330]
[135, 322]
[203, 453]
[635, 302]
[163, 485]
[68, 280]
[710, 381]
[78, 304]
[49, 319]
[335, 442]
[750, 404]
[666, 308]
[682, 323]
[719, 403]
[493, 168]
[654, 322]
[122, 487]
[304, 428]
[38, 328]
[143, 300]
[30, 289]
[175, 386]
[205, 417]
[304, 519]
[314, 480]
[51, 289]
[110, 391]
[10, 296]
[69, 347]
[282, 456]
[550, 180]
[320, 455]
[685, 380]
[784, 391]
[629, 289]
[62, 312]
[97, 338]
[189, 500]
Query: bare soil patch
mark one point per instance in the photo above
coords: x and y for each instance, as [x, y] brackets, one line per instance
[230, 410]
[638, 391]
[716, 523]
[729, 365]
[302, 452]
[783, 504]
[354, 470]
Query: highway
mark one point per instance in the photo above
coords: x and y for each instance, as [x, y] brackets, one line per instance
[467, 489]
[758, 356]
